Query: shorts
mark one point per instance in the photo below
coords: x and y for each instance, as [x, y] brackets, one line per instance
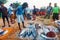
[55, 16]
[20, 18]
[3, 17]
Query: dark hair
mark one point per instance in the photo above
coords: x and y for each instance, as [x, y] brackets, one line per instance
[34, 6]
[25, 4]
[55, 3]
[11, 4]
[50, 3]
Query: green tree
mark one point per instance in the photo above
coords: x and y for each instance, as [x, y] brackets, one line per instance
[16, 4]
[4, 1]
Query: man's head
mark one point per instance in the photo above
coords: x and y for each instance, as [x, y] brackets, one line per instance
[55, 4]
[24, 5]
[49, 4]
[34, 6]
[11, 4]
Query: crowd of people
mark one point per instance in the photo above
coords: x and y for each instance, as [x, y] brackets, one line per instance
[54, 11]
[24, 10]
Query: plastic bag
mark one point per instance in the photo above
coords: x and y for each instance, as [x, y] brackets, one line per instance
[57, 22]
[1, 31]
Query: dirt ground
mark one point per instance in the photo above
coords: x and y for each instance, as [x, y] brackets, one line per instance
[12, 36]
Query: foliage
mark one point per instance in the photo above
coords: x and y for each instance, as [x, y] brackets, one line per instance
[15, 5]
[4, 1]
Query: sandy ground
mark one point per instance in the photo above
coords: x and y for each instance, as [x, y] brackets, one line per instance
[12, 36]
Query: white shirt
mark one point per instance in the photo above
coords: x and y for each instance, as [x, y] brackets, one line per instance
[27, 10]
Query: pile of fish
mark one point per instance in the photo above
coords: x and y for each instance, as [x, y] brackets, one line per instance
[39, 32]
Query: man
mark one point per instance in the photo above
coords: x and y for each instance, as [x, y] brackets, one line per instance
[48, 11]
[4, 14]
[34, 12]
[10, 9]
[11, 13]
[19, 14]
[55, 11]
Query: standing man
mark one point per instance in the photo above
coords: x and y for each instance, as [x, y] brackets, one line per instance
[4, 14]
[55, 11]
[19, 14]
[34, 12]
[48, 11]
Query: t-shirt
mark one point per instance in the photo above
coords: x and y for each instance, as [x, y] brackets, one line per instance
[27, 10]
[4, 11]
[19, 10]
[10, 10]
[34, 11]
[55, 10]
[49, 8]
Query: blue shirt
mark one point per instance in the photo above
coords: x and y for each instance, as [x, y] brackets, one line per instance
[19, 10]
[34, 11]
[49, 8]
